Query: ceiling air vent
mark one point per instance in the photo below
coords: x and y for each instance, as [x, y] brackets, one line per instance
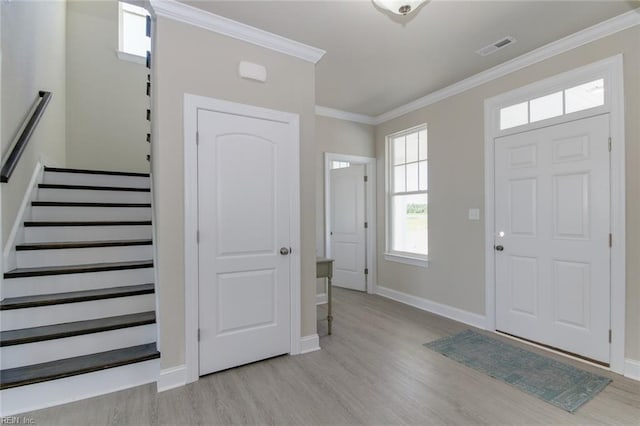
[494, 47]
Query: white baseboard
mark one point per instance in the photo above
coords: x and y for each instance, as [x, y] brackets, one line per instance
[632, 369]
[9, 253]
[446, 311]
[321, 298]
[171, 378]
[309, 343]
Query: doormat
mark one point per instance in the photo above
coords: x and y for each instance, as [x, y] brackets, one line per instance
[559, 384]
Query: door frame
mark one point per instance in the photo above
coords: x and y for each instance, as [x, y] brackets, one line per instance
[611, 69]
[370, 211]
[193, 103]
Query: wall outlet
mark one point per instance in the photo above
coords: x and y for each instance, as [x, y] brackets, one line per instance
[474, 214]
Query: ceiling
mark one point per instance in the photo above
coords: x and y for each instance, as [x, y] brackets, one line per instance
[377, 61]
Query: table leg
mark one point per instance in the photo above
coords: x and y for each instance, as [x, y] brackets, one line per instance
[329, 316]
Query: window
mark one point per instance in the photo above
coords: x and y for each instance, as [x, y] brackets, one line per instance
[339, 164]
[407, 200]
[133, 38]
[573, 99]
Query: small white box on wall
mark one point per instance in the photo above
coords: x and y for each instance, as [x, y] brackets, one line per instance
[252, 71]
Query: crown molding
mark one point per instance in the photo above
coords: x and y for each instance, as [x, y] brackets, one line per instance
[588, 35]
[202, 19]
[345, 115]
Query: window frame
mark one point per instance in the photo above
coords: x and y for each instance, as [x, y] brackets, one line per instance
[121, 53]
[408, 258]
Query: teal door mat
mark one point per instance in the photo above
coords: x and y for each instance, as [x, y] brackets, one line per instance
[559, 384]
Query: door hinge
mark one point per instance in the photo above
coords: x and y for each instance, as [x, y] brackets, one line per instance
[366, 225]
[609, 335]
[198, 236]
[198, 335]
[197, 138]
[609, 144]
[366, 178]
[610, 240]
[366, 271]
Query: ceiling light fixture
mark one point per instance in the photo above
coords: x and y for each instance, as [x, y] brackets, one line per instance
[399, 7]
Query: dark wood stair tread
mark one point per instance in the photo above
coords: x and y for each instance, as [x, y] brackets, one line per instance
[76, 328]
[77, 269]
[93, 188]
[85, 204]
[75, 296]
[93, 172]
[34, 224]
[82, 244]
[68, 367]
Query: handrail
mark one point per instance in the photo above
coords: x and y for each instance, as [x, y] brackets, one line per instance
[23, 140]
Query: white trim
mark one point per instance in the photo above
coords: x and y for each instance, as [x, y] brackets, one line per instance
[407, 260]
[456, 314]
[310, 343]
[171, 378]
[588, 35]
[202, 19]
[24, 211]
[612, 70]
[321, 298]
[131, 58]
[192, 103]
[632, 369]
[345, 115]
[370, 211]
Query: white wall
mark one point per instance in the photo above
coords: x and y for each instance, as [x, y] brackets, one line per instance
[106, 96]
[455, 276]
[33, 59]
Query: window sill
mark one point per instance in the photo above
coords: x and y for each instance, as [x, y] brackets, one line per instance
[407, 260]
[131, 58]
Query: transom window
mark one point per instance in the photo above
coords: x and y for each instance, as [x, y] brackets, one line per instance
[407, 201]
[340, 164]
[573, 99]
[133, 38]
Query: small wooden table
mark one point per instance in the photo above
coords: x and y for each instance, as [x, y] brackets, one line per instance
[324, 269]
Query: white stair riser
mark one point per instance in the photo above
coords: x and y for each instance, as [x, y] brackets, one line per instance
[55, 392]
[72, 312]
[48, 284]
[48, 234]
[82, 256]
[93, 196]
[57, 178]
[69, 347]
[90, 213]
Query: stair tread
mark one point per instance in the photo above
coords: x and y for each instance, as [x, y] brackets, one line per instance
[68, 367]
[88, 223]
[74, 296]
[82, 244]
[94, 172]
[85, 204]
[76, 269]
[93, 187]
[76, 328]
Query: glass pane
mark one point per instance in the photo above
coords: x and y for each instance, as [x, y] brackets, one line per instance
[422, 141]
[424, 176]
[339, 164]
[585, 96]
[398, 179]
[514, 115]
[546, 107]
[409, 224]
[398, 150]
[135, 40]
[412, 147]
[412, 177]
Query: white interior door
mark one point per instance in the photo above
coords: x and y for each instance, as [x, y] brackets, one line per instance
[244, 170]
[552, 207]
[348, 245]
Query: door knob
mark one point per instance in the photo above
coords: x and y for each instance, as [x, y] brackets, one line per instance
[499, 248]
[284, 251]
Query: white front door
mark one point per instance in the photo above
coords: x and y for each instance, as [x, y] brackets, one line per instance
[552, 208]
[245, 168]
[348, 248]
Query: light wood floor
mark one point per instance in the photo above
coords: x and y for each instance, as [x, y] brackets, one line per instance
[372, 370]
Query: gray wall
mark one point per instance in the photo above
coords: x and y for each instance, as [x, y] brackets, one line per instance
[106, 98]
[196, 61]
[33, 59]
[455, 276]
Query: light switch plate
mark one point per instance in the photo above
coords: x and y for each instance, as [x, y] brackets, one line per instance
[474, 214]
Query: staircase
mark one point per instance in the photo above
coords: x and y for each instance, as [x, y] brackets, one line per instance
[78, 315]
